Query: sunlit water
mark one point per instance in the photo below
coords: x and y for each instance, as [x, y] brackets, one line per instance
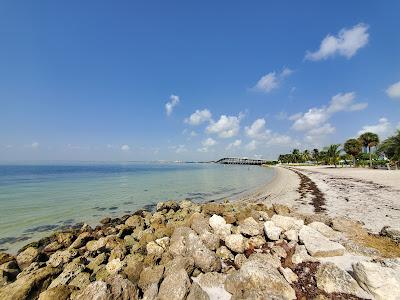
[38, 199]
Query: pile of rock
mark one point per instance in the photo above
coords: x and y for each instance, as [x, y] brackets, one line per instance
[200, 251]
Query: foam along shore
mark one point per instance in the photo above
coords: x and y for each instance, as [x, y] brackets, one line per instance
[185, 250]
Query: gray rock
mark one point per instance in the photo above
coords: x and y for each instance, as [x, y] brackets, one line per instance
[96, 290]
[235, 242]
[197, 293]
[174, 286]
[151, 292]
[301, 255]
[81, 280]
[291, 235]
[62, 257]
[382, 282]
[287, 223]
[70, 271]
[263, 278]
[150, 275]
[250, 227]
[219, 226]
[325, 230]
[332, 279]
[391, 233]
[224, 253]
[26, 257]
[318, 245]
[121, 288]
[289, 275]
[271, 231]
[178, 263]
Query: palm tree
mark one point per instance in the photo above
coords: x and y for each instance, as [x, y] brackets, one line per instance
[353, 147]
[306, 155]
[296, 155]
[315, 155]
[391, 147]
[333, 153]
[369, 140]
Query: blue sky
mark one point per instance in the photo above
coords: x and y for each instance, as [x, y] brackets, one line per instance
[90, 80]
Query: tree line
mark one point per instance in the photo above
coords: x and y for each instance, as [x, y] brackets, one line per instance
[367, 148]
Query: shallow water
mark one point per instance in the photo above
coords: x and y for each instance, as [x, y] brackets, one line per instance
[37, 199]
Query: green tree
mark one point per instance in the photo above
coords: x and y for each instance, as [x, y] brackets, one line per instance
[296, 155]
[333, 154]
[391, 147]
[369, 140]
[353, 147]
[306, 155]
[316, 155]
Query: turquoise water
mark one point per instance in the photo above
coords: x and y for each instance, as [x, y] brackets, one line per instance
[37, 199]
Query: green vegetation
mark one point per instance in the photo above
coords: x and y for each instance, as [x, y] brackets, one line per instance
[362, 151]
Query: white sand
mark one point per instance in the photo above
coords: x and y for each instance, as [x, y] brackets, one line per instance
[366, 195]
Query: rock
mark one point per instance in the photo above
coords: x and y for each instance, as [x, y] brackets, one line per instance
[213, 208]
[153, 249]
[325, 230]
[69, 272]
[9, 271]
[206, 260]
[61, 292]
[174, 286]
[97, 261]
[240, 259]
[255, 242]
[118, 251]
[199, 223]
[391, 233]
[62, 257]
[52, 247]
[213, 284]
[210, 240]
[81, 280]
[167, 205]
[105, 220]
[250, 227]
[151, 292]
[65, 238]
[317, 244]
[278, 251]
[219, 226]
[5, 257]
[332, 279]
[287, 223]
[122, 288]
[291, 235]
[235, 242]
[381, 282]
[114, 266]
[289, 275]
[197, 293]
[263, 278]
[28, 256]
[29, 286]
[301, 255]
[150, 275]
[134, 266]
[281, 209]
[265, 259]
[97, 290]
[96, 245]
[135, 221]
[163, 242]
[178, 263]
[81, 240]
[271, 231]
[224, 253]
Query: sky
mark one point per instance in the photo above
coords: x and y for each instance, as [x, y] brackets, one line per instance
[194, 80]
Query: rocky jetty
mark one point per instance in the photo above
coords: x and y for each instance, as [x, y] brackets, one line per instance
[193, 251]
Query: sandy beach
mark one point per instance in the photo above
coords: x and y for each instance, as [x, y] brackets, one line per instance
[369, 196]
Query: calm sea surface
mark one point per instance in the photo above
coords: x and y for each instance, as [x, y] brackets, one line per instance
[37, 199]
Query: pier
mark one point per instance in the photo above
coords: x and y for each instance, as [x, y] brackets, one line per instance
[241, 161]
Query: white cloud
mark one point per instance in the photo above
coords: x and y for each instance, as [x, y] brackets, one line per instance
[235, 144]
[226, 126]
[125, 148]
[257, 130]
[346, 43]
[203, 149]
[251, 146]
[317, 116]
[180, 149]
[35, 145]
[169, 106]
[393, 91]
[316, 135]
[199, 117]
[208, 142]
[383, 128]
[271, 80]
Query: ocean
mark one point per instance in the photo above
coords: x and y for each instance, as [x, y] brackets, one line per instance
[38, 199]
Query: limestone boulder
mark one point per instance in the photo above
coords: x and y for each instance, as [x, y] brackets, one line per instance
[26, 257]
[235, 242]
[318, 245]
[272, 231]
[250, 227]
[96, 290]
[287, 223]
[174, 286]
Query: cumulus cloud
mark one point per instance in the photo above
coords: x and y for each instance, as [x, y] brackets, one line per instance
[208, 142]
[35, 145]
[346, 43]
[235, 144]
[315, 135]
[393, 91]
[225, 127]
[317, 116]
[383, 128]
[257, 131]
[198, 117]
[169, 106]
[251, 146]
[271, 81]
[125, 148]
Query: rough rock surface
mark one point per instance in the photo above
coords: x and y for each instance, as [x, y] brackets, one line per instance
[319, 245]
